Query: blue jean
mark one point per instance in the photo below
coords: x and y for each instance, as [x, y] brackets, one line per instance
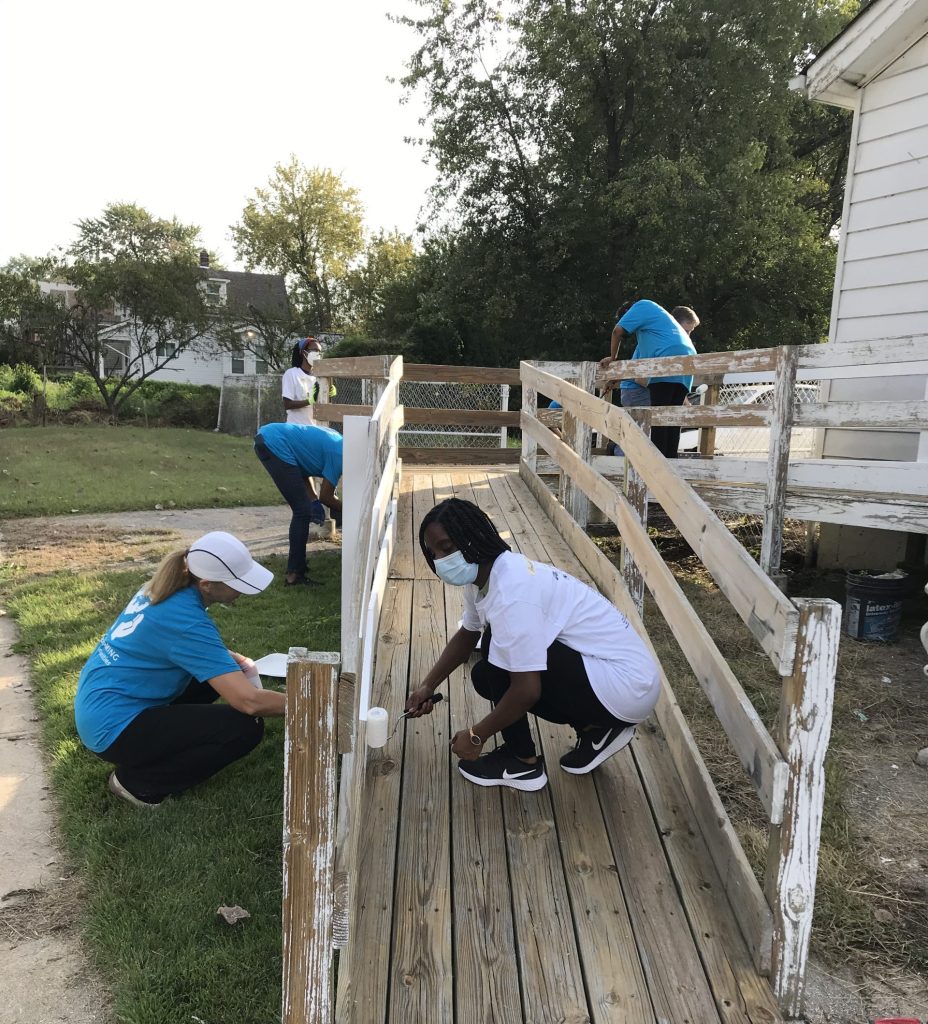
[291, 483]
[631, 398]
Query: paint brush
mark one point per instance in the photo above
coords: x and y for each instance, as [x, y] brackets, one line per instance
[436, 698]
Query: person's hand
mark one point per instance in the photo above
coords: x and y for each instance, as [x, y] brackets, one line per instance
[419, 702]
[248, 669]
[464, 747]
[606, 360]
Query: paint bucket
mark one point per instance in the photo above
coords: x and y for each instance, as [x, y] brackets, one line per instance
[874, 604]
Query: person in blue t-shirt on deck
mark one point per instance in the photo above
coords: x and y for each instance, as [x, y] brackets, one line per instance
[658, 333]
[146, 696]
[292, 454]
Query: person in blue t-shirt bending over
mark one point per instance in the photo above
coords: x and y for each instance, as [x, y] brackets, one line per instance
[293, 453]
[657, 333]
[145, 696]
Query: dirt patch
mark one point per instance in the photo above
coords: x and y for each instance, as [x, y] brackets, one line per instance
[27, 914]
[80, 545]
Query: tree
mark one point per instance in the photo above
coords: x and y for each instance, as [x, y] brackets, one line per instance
[29, 319]
[269, 335]
[307, 226]
[388, 257]
[134, 299]
[591, 151]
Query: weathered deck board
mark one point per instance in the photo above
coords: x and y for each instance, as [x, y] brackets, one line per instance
[594, 900]
[421, 973]
[363, 997]
[549, 958]
[741, 994]
[486, 976]
[422, 501]
[615, 981]
[406, 546]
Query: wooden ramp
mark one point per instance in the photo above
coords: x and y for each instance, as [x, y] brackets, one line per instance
[594, 900]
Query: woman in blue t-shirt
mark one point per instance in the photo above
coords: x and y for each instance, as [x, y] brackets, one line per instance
[292, 454]
[145, 696]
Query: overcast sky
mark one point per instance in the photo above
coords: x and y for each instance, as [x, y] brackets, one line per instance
[185, 107]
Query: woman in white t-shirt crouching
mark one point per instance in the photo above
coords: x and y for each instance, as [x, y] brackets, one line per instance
[552, 646]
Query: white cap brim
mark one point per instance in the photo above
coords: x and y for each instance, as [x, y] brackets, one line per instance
[253, 582]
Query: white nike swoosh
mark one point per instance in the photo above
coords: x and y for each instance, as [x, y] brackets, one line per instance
[507, 774]
[599, 746]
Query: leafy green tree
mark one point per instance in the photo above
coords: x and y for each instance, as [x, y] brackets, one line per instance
[387, 258]
[591, 151]
[307, 226]
[134, 300]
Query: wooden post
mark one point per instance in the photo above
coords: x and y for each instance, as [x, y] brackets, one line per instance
[803, 732]
[707, 434]
[636, 490]
[529, 445]
[310, 803]
[579, 435]
[781, 426]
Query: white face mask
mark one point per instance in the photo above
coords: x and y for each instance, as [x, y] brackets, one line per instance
[456, 570]
[312, 357]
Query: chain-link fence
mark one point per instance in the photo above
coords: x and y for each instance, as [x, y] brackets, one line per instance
[753, 442]
[247, 402]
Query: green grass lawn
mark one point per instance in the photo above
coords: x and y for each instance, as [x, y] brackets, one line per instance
[153, 880]
[56, 470]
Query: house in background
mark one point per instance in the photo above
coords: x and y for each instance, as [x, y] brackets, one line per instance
[878, 68]
[205, 362]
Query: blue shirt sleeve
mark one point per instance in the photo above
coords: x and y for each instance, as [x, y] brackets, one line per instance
[200, 651]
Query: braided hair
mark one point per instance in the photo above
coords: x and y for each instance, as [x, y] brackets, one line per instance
[469, 527]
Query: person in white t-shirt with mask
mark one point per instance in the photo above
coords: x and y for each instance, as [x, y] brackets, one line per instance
[299, 386]
[552, 647]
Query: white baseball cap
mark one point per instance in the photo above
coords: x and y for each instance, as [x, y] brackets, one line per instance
[221, 558]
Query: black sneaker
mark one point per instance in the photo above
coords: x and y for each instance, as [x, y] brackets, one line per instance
[595, 746]
[500, 768]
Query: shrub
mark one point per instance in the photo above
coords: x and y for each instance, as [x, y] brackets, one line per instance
[6, 377]
[25, 380]
[82, 386]
[12, 406]
[177, 405]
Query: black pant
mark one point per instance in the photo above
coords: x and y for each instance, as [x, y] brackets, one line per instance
[667, 439]
[292, 485]
[168, 749]
[566, 695]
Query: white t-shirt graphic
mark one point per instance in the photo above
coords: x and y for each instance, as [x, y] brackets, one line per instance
[299, 387]
[528, 605]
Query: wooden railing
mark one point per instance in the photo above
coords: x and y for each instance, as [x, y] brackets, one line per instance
[835, 490]
[327, 712]
[800, 638]
[372, 368]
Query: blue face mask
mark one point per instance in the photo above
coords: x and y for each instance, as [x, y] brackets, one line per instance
[456, 570]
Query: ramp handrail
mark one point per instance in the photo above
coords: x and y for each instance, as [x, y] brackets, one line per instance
[801, 639]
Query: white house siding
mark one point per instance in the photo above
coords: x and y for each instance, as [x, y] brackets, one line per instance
[882, 276]
[202, 365]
